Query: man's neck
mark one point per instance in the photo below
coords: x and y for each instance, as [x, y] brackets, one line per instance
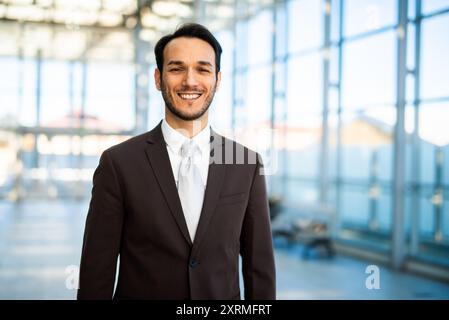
[187, 128]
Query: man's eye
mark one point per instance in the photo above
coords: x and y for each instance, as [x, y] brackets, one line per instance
[204, 70]
[175, 69]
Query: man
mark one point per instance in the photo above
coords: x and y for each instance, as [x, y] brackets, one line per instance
[178, 205]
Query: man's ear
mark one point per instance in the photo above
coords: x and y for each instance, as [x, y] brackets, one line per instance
[157, 78]
[218, 80]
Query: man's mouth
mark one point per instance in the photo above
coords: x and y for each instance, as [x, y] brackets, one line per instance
[189, 95]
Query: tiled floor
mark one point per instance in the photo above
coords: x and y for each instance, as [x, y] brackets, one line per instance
[41, 240]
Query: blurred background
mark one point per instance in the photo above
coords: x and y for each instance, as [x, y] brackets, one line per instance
[348, 100]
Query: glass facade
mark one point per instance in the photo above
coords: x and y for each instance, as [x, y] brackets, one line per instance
[312, 84]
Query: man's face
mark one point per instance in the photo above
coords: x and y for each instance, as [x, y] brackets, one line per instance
[188, 80]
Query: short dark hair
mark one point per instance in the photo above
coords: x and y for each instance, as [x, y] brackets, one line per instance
[190, 30]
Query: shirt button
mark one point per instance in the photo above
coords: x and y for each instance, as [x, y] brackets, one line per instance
[194, 263]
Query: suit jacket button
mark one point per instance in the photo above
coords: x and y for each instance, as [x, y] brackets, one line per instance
[194, 263]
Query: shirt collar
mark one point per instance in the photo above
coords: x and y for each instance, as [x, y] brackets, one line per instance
[175, 139]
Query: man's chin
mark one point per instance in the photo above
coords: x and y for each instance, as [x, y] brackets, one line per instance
[188, 116]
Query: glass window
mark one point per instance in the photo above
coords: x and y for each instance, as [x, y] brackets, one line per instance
[354, 205]
[305, 25]
[9, 88]
[435, 53]
[298, 191]
[259, 95]
[55, 92]
[10, 70]
[426, 215]
[445, 172]
[241, 117]
[409, 148]
[226, 41]
[28, 101]
[355, 154]
[304, 86]
[368, 15]
[242, 44]
[384, 209]
[260, 38]
[156, 104]
[110, 95]
[221, 109]
[279, 115]
[411, 9]
[220, 113]
[281, 30]
[335, 20]
[445, 218]
[366, 140]
[303, 138]
[280, 78]
[241, 88]
[332, 121]
[429, 6]
[410, 88]
[333, 99]
[333, 71]
[433, 132]
[411, 46]
[369, 71]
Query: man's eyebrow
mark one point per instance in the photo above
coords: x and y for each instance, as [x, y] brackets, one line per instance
[205, 63]
[175, 62]
[180, 63]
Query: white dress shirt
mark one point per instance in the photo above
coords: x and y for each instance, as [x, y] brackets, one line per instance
[174, 141]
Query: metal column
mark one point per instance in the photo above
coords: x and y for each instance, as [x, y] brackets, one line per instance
[416, 161]
[324, 154]
[38, 106]
[285, 161]
[234, 67]
[274, 32]
[200, 11]
[398, 235]
[142, 50]
[338, 184]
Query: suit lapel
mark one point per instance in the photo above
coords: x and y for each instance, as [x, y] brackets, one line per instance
[215, 179]
[157, 154]
[160, 162]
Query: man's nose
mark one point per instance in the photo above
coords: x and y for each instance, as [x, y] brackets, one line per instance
[190, 78]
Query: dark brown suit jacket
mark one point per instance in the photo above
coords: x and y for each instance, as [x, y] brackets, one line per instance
[135, 214]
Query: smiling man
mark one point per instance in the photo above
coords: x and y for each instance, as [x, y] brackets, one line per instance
[178, 205]
[188, 85]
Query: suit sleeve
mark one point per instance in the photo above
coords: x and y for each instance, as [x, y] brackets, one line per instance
[102, 234]
[256, 246]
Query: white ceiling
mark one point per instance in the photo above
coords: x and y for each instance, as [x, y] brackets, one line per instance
[104, 29]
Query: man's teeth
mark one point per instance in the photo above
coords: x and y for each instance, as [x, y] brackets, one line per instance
[189, 96]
